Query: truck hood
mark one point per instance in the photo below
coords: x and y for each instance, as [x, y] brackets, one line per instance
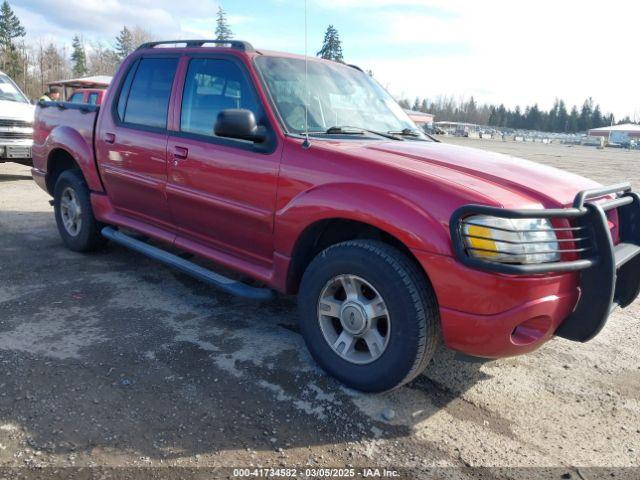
[505, 180]
[17, 111]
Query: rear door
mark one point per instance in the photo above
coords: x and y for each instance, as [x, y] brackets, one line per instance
[132, 141]
[221, 191]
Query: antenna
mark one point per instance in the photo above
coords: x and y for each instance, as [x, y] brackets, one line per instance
[306, 143]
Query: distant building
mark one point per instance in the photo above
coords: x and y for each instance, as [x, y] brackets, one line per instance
[629, 130]
[421, 119]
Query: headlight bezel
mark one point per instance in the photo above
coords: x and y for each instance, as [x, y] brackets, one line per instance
[573, 222]
[520, 241]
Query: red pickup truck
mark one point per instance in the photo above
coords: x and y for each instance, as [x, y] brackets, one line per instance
[309, 178]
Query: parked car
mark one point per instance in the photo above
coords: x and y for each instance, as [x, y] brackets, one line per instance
[16, 123]
[90, 96]
[392, 242]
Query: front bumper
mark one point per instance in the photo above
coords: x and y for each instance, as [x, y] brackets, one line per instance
[609, 275]
[16, 150]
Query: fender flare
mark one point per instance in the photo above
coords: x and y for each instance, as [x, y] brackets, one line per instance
[415, 227]
[73, 143]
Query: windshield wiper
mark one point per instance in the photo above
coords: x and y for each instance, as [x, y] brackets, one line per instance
[347, 130]
[406, 132]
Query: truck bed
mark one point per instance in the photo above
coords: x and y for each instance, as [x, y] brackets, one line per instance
[64, 123]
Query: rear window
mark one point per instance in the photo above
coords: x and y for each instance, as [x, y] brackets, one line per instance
[93, 99]
[147, 100]
[76, 98]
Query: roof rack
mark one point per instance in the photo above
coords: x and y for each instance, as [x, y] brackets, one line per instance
[239, 44]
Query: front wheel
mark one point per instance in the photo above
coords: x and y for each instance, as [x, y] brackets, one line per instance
[368, 315]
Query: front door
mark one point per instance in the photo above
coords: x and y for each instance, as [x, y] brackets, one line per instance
[132, 142]
[221, 192]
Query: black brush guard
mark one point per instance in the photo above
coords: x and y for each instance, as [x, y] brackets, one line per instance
[609, 275]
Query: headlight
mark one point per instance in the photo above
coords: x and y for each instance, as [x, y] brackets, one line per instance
[506, 240]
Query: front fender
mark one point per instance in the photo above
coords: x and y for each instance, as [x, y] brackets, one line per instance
[80, 148]
[415, 227]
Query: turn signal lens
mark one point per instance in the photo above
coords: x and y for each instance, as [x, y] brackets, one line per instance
[480, 239]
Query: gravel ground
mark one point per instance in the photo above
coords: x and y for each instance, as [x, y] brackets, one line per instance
[115, 362]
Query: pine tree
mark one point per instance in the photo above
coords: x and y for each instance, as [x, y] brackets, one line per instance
[562, 119]
[572, 123]
[596, 118]
[502, 116]
[331, 46]
[223, 31]
[552, 117]
[493, 117]
[518, 120]
[471, 111]
[79, 58]
[584, 121]
[609, 120]
[10, 29]
[124, 43]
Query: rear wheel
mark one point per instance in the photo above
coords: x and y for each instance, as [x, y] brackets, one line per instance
[78, 228]
[368, 315]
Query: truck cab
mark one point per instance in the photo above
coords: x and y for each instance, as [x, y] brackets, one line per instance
[16, 123]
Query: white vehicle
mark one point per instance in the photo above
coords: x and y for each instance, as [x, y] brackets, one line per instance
[16, 123]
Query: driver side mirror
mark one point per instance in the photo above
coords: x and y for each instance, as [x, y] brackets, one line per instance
[239, 123]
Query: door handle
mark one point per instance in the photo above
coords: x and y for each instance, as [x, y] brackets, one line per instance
[180, 153]
[109, 138]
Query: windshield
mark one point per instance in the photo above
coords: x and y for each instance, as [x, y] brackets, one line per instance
[339, 96]
[10, 91]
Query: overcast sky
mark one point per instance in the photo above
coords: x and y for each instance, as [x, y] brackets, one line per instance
[508, 51]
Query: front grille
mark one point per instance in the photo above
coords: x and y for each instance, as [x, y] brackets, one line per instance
[5, 122]
[15, 135]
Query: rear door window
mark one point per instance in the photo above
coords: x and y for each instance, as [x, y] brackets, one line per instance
[147, 103]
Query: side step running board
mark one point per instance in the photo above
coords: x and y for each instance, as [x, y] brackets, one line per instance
[219, 281]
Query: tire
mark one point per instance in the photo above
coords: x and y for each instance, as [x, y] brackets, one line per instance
[85, 237]
[409, 332]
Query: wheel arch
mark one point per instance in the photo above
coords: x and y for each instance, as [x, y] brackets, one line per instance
[324, 233]
[334, 213]
[68, 148]
[59, 161]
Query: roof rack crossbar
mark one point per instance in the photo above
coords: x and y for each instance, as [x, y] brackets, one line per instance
[239, 44]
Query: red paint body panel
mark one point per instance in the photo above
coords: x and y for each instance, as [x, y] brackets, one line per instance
[494, 336]
[70, 131]
[247, 209]
[479, 311]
